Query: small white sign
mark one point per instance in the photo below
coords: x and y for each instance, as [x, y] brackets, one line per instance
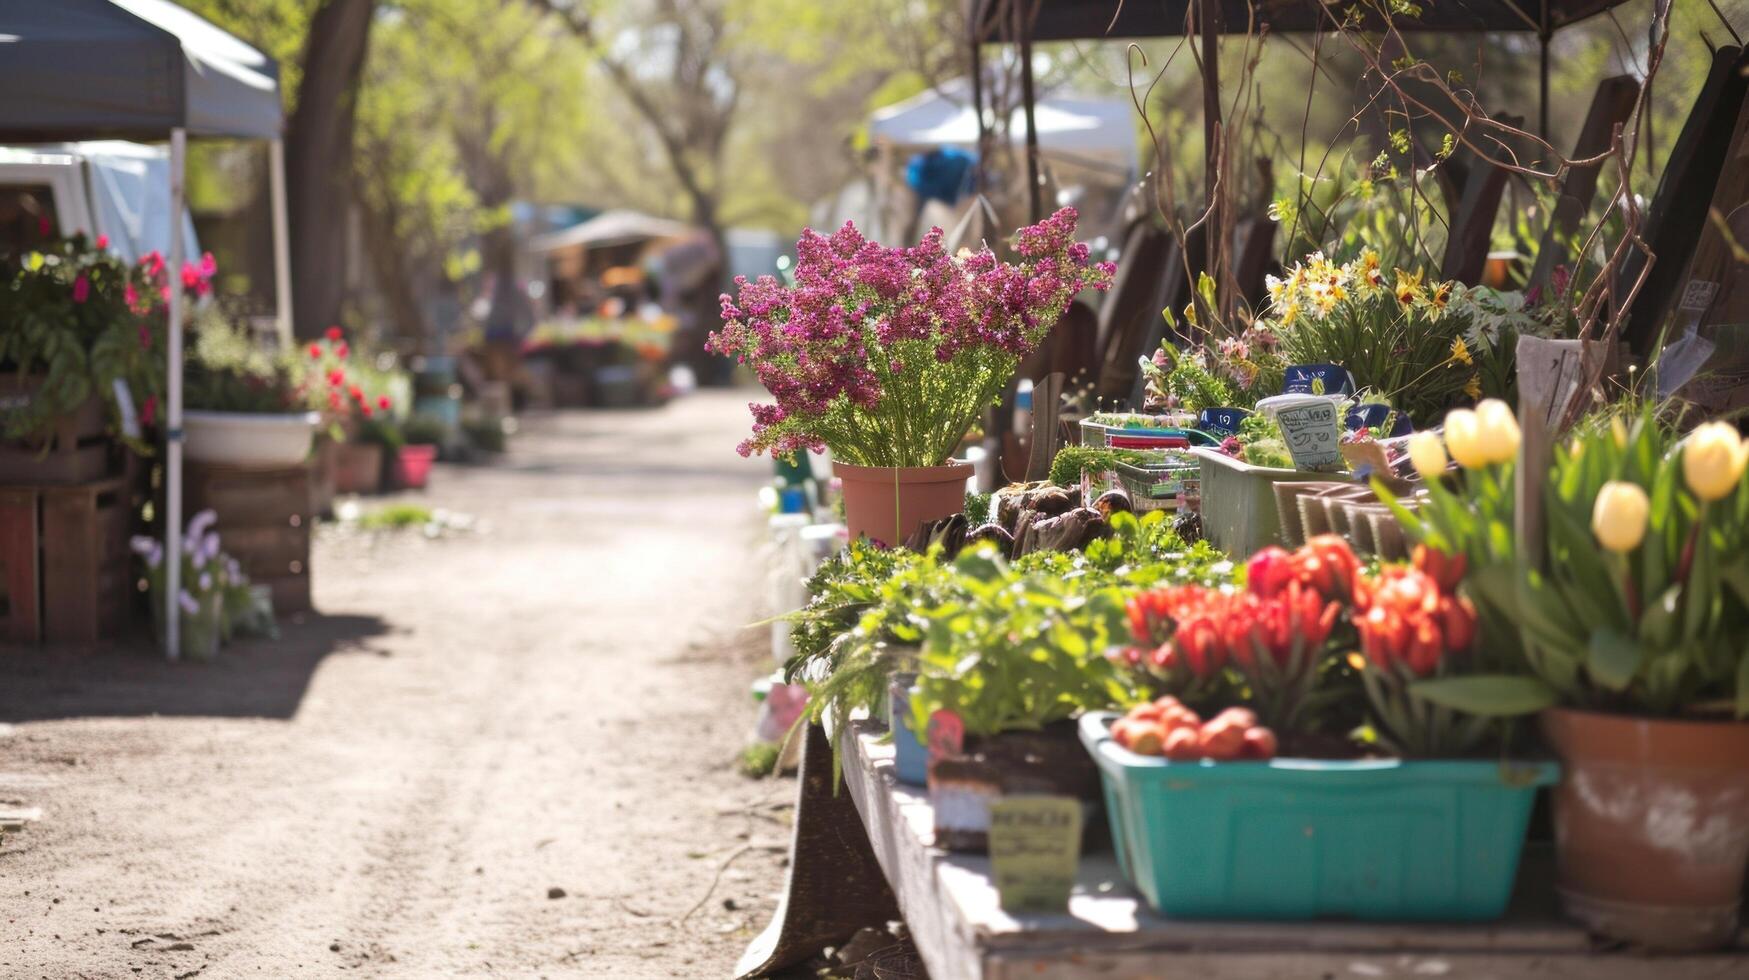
[1312, 433]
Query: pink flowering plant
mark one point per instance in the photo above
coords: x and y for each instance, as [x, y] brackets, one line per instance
[887, 356]
[77, 319]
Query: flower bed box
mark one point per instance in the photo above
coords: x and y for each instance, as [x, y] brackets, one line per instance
[1303, 839]
[265, 517]
[76, 448]
[65, 571]
[1239, 512]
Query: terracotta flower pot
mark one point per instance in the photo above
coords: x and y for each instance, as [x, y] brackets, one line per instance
[886, 504]
[1652, 826]
[358, 467]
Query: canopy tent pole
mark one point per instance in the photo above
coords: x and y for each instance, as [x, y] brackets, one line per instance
[281, 243]
[173, 543]
[1543, 35]
[1033, 191]
[978, 103]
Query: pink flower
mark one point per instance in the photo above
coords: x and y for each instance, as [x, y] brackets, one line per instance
[208, 266]
[81, 288]
[149, 410]
[145, 336]
[44, 227]
[102, 242]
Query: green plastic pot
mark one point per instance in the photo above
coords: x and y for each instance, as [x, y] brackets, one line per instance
[1298, 839]
[1239, 513]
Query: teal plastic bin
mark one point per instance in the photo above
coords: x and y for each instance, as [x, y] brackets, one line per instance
[1310, 839]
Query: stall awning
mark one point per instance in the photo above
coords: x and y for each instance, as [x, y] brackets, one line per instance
[1086, 126]
[1064, 20]
[128, 69]
[618, 227]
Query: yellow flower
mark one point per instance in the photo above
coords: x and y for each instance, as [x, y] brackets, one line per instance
[1427, 455]
[1368, 273]
[1290, 314]
[1460, 352]
[1497, 428]
[1619, 432]
[1435, 298]
[1463, 438]
[1713, 459]
[1473, 387]
[1408, 287]
[1619, 516]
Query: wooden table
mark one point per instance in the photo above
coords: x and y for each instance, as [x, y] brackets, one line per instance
[950, 906]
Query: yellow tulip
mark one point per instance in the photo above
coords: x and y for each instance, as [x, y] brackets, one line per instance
[1619, 516]
[1463, 437]
[1427, 454]
[1713, 458]
[1497, 431]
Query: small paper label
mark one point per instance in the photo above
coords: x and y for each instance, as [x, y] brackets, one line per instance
[124, 403]
[947, 735]
[1035, 849]
[1311, 435]
[1697, 296]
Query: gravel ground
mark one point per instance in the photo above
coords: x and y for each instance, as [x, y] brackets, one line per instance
[503, 751]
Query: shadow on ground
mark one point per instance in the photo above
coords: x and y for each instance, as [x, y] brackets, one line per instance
[250, 679]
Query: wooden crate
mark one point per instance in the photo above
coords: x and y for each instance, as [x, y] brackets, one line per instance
[265, 520]
[65, 571]
[76, 449]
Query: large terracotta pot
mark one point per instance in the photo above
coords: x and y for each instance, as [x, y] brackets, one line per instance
[886, 504]
[1652, 826]
[358, 467]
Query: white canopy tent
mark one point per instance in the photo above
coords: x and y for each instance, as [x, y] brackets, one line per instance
[145, 70]
[1089, 130]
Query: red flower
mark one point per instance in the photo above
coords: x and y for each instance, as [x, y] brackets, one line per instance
[149, 410]
[1269, 571]
[1446, 570]
[383, 402]
[1409, 621]
[43, 227]
[342, 351]
[102, 242]
[1327, 564]
[336, 378]
[81, 288]
[334, 334]
[334, 400]
[315, 352]
[357, 394]
[365, 409]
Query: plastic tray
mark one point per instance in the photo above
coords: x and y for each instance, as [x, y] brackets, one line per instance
[1306, 839]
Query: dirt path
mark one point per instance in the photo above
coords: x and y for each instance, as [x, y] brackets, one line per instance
[552, 701]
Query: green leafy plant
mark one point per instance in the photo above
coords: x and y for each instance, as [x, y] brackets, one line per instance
[227, 371]
[78, 319]
[1071, 462]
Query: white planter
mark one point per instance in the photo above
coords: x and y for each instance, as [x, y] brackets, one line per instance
[249, 439]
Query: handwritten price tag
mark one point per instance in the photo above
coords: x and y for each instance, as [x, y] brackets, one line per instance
[1311, 433]
[1035, 848]
[947, 735]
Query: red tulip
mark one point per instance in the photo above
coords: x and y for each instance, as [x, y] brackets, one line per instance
[1268, 571]
[1446, 570]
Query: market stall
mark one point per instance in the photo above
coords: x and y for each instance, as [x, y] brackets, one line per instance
[145, 70]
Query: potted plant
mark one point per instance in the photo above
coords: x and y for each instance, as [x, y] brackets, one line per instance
[887, 356]
[246, 407]
[355, 400]
[421, 437]
[1241, 792]
[82, 356]
[201, 596]
[1625, 626]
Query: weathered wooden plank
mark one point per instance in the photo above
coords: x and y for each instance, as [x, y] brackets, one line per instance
[1679, 209]
[1472, 222]
[950, 905]
[1611, 106]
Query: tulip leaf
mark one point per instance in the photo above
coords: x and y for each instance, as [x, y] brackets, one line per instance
[1736, 575]
[1659, 621]
[1613, 659]
[1497, 695]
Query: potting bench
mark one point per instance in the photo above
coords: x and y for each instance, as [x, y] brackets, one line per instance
[949, 903]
